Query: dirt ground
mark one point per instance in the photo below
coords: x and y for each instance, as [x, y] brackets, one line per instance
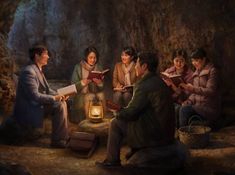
[217, 159]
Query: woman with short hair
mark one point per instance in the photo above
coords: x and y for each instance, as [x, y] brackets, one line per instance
[124, 76]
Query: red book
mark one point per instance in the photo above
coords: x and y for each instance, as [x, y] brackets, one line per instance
[97, 74]
[112, 106]
[176, 79]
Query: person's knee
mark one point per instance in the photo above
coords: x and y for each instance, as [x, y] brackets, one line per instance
[117, 95]
[113, 123]
[60, 106]
[184, 109]
[127, 95]
[101, 96]
[89, 97]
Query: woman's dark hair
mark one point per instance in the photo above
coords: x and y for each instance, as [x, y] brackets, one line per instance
[198, 53]
[36, 49]
[90, 49]
[179, 52]
[149, 58]
[130, 51]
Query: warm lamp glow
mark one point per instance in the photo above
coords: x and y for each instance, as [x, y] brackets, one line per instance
[96, 112]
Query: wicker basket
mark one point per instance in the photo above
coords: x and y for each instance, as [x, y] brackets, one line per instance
[194, 136]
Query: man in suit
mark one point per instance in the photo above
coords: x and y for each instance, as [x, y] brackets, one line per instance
[35, 98]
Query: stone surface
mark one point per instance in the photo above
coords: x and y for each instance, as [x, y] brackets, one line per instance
[100, 129]
[13, 169]
[8, 79]
[168, 158]
[40, 159]
[7, 11]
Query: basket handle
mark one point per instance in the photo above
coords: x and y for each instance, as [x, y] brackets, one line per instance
[194, 116]
[190, 122]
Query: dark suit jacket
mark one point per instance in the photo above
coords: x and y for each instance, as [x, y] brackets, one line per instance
[33, 92]
[150, 114]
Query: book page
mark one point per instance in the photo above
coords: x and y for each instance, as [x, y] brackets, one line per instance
[100, 72]
[105, 71]
[167, 75]
[128, 86]
[97, 74]
[68, 90]
[174, 76]
[123, 88]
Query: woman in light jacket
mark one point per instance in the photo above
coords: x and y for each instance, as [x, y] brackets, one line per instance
[124, 75]
[87, 89]
[205, 98]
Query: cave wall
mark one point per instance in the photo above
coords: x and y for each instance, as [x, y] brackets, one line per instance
[7, 64]
[7, 11]
[68, 27]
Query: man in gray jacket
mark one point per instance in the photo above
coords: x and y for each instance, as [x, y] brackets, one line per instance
[35, 99]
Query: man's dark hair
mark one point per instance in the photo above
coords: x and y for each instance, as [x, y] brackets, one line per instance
[149, 58]
[90, 49]
[36, 49]
[130, 51]
[198, 53]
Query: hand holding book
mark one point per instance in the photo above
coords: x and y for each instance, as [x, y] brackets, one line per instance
[123, 88]
[172, 79]
[189, 87]
[97, 74]
[60, 98]
[85, 82]
[112, 106]
[67, 91]
[97, 81]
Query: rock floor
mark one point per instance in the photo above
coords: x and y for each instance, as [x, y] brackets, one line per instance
[217, 159]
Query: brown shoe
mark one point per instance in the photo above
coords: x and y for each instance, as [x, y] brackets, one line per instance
[131, 153]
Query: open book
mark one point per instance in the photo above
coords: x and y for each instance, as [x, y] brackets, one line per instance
[97, 74]
[113, 106]
[67, 90]
[176, 79]
[123, 88]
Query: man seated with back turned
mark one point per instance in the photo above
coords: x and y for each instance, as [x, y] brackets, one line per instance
[147, 122]
[35, 99]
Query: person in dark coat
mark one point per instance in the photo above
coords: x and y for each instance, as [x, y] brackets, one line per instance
[148, 120]
[35, 99]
